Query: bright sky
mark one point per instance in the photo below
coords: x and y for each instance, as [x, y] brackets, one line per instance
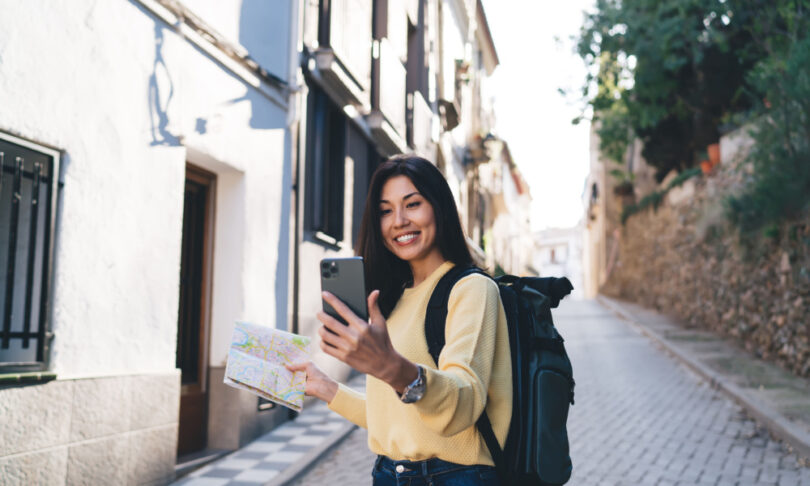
[532, 116]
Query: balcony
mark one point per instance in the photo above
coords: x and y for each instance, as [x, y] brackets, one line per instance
[333, 76]
[387, 121]
[386, 136]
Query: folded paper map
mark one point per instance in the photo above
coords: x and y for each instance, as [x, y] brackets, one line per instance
[256, 362]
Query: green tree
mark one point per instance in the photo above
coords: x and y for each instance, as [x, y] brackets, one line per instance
[670, 71]
[778, 189]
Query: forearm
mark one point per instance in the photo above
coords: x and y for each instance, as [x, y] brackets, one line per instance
[454, 399]
[350, 404]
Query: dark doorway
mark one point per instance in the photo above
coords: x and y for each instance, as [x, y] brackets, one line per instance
[193, 311]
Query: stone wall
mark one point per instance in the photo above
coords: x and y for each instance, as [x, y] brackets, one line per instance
[113, 430]
[686, 260]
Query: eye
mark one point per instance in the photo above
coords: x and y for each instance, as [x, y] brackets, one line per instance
[414, 204]
[383, 212]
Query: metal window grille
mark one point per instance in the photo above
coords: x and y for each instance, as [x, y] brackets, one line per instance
[28, 186]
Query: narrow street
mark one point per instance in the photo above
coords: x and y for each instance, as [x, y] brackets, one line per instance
[640, 419]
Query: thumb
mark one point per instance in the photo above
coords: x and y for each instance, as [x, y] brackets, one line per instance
[375, 315]
[296, 366]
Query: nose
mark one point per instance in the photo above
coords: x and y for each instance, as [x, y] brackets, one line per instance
[400, 218]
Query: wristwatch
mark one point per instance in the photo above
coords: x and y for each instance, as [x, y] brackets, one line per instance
[416, 389]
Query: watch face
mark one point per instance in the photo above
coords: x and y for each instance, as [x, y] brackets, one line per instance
[415, 390]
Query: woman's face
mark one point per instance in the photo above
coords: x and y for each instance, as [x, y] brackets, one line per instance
[407, 221]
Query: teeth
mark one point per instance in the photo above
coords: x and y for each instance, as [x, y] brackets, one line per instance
[406, 238]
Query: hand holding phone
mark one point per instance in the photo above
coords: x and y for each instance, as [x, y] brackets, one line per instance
[366, 346]
[345, 279]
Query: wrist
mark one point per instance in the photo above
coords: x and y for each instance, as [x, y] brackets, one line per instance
[330, 391]
[400, 374]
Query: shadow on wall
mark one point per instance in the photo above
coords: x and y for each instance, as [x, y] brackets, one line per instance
[264, 32]
[267, 46]
[159, 104]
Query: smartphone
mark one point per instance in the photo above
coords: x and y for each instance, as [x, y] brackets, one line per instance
[345, 278]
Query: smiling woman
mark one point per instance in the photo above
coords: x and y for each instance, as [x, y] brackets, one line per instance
[421, 414]
[408, 226]
[387, 268]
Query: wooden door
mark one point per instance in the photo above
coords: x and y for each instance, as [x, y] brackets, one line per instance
[193, 311]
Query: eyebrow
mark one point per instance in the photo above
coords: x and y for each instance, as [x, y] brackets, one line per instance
[415, 193]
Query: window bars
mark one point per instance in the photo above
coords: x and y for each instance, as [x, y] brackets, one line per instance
[28, 187]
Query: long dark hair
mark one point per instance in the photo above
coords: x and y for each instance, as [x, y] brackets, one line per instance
[384, 270]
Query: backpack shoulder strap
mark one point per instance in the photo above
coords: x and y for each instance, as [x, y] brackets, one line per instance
[435, 321]
[436, 313]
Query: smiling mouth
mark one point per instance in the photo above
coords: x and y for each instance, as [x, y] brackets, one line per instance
[406, 239]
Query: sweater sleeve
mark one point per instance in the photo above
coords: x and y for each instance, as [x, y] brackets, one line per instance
[350, 404]
[455, 393]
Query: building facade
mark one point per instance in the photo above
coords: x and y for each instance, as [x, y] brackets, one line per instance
[381, 77]
[170, 167]
[146, 154]
[498, 208]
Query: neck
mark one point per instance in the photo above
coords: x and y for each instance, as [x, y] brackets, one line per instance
[423, 268]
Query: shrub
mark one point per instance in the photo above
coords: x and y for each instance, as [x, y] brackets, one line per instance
[779, 188]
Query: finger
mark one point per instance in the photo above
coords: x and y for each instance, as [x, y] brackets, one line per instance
[374, 312]
[332, 351]
[333, 324]
[332, 339]
[342, 309]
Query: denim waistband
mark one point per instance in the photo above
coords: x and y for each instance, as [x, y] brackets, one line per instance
[427, 467]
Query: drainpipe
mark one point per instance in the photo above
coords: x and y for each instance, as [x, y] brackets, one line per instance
[295, 78]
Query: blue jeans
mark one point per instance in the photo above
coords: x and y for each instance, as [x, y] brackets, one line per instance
[431, 472]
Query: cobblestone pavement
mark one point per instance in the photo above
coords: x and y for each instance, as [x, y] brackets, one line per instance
[349, 463]
[640, 419]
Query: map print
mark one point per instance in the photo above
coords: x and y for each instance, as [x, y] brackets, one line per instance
[256, 362]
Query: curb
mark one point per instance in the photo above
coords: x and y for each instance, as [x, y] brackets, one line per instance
[293, 471]
[778, 425]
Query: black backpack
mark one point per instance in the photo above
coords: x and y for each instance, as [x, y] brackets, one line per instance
[536, 449]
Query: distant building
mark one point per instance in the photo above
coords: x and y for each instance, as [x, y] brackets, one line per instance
[502, 209]
[558, 253]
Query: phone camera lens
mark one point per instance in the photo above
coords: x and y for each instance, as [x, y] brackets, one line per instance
[326, 274]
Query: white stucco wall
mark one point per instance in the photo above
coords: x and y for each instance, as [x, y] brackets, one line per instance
[94, 79]
[260, 26]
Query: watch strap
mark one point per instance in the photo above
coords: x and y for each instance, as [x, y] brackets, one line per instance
[414, 391]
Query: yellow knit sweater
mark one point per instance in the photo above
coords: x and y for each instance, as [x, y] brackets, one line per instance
[474, 364]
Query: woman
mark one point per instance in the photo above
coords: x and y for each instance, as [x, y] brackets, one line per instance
[420, 415]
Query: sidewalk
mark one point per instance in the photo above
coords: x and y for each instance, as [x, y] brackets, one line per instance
[777, 399]
[282, 454]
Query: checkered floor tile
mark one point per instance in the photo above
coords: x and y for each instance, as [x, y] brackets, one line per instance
[269, 455]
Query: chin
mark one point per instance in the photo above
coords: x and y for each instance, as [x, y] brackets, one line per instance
[406, 255]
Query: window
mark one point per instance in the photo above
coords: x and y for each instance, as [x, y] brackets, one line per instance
[325, 167]
[419, 112]
[345, 26]
[365, 159]
[27, 208]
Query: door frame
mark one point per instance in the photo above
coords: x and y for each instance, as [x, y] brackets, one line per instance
[204, 177]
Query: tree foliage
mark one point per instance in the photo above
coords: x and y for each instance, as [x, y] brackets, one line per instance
[779, 186]
[674, 73]
[669, 73]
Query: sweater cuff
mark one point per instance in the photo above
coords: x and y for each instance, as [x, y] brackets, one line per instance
[350, 404]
